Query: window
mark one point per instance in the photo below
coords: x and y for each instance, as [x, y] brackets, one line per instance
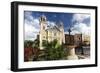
[44, 37]
[43, 27]
[54, 34]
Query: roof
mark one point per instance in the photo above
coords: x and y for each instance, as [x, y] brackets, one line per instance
[56, 27]
[53, 28]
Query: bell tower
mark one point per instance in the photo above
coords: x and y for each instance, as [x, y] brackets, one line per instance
[43, 24]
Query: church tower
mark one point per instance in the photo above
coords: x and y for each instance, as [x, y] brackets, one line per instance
[43, 24]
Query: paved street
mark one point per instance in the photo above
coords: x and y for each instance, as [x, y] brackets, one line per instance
[83, 54]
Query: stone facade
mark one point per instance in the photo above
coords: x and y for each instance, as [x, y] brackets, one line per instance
[50, 32]
[69, 40]
[77, 39]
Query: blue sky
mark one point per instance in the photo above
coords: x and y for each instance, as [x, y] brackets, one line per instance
[55, 17]
[80, 23]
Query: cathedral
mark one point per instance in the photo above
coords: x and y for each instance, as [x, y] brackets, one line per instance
[50, 32]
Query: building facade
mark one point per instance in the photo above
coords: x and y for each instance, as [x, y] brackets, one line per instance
[69, 39]
[77, 39]
[86, 39]
[50, 32]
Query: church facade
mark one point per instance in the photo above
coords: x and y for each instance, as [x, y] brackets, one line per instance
[50, 32]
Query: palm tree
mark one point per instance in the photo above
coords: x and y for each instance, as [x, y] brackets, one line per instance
[53, 50]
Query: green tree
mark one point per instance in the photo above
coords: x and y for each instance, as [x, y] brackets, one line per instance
[28, 43]
[53, 50]
[36, 44]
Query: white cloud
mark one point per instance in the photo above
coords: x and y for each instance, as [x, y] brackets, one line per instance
[36, 23]
[80, 17]
[30, 32]
[32, 26]
[81, 28]
[78, 26]
[28, 15]
[50, 23]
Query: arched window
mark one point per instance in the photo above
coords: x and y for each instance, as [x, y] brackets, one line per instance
[43, 27]
[54, 34]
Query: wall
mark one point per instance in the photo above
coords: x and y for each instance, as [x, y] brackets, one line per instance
[5, 35]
